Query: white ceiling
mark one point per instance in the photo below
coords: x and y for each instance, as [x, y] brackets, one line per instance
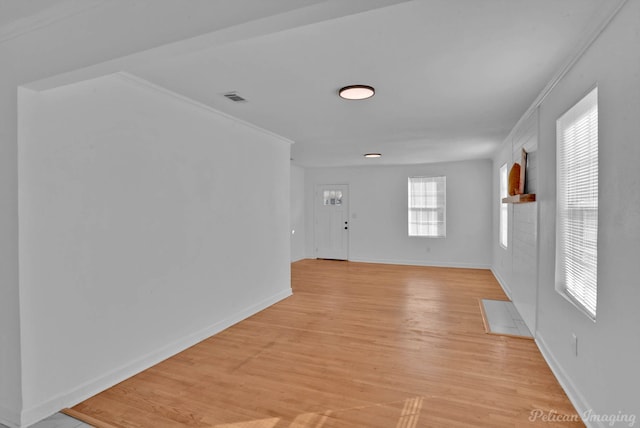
[452, 76]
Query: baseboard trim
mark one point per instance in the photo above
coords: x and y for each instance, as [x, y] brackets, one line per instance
[576, 398]
[502, 282]
[95, 386]
[9, 417]
[423, 263]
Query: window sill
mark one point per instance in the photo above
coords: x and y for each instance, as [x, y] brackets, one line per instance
[576, 304]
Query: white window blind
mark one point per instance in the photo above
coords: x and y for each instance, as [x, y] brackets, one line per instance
[504, 208]
[427, 206]
[577, 209]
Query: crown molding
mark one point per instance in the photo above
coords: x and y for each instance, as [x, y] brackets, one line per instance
[589, 37]
[143, 83]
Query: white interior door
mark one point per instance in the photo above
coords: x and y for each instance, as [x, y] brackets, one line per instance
[332, 221]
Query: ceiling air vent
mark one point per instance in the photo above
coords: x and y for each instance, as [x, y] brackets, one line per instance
[233, 96]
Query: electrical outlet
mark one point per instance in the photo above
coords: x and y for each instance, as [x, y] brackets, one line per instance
[574, 344]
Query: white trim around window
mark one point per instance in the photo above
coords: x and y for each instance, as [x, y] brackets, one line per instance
[427, 206]
[577, 204]
[504, 208]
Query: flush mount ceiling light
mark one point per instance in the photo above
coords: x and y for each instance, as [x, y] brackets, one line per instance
[356, 92]
[372, 155]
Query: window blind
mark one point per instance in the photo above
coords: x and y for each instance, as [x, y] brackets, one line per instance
[504, 208]
[427, 206]
[577, 203]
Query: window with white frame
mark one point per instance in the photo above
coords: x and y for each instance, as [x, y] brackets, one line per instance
[577, 204]
[504, 208]
[427, 206]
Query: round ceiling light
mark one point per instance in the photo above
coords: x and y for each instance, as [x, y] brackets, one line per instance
[356, 92]
[372, 155]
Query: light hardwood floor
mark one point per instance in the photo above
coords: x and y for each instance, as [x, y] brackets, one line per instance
[357, 345]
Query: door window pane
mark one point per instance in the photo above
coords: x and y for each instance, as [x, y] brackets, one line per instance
[332, 197]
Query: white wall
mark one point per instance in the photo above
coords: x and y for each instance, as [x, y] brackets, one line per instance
[605, 373]
[603, 377]
[298, 230]
[139, 215]
[66, 43]
[10, 368]
[378, 213]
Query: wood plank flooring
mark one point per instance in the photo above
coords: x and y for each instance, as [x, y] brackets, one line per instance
[357, 345]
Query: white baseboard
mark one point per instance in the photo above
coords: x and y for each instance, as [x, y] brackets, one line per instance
[9, 417]
[502, 283]
[423, 263]
[95, 386]
[574, 395]
[576, 398]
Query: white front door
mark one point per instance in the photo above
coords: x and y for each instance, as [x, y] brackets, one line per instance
[332, 221]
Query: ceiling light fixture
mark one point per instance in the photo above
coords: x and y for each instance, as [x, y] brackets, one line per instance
[356, 92]
[372, 155]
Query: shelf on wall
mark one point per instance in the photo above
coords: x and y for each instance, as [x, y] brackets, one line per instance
[522, 197]
[519, 199]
